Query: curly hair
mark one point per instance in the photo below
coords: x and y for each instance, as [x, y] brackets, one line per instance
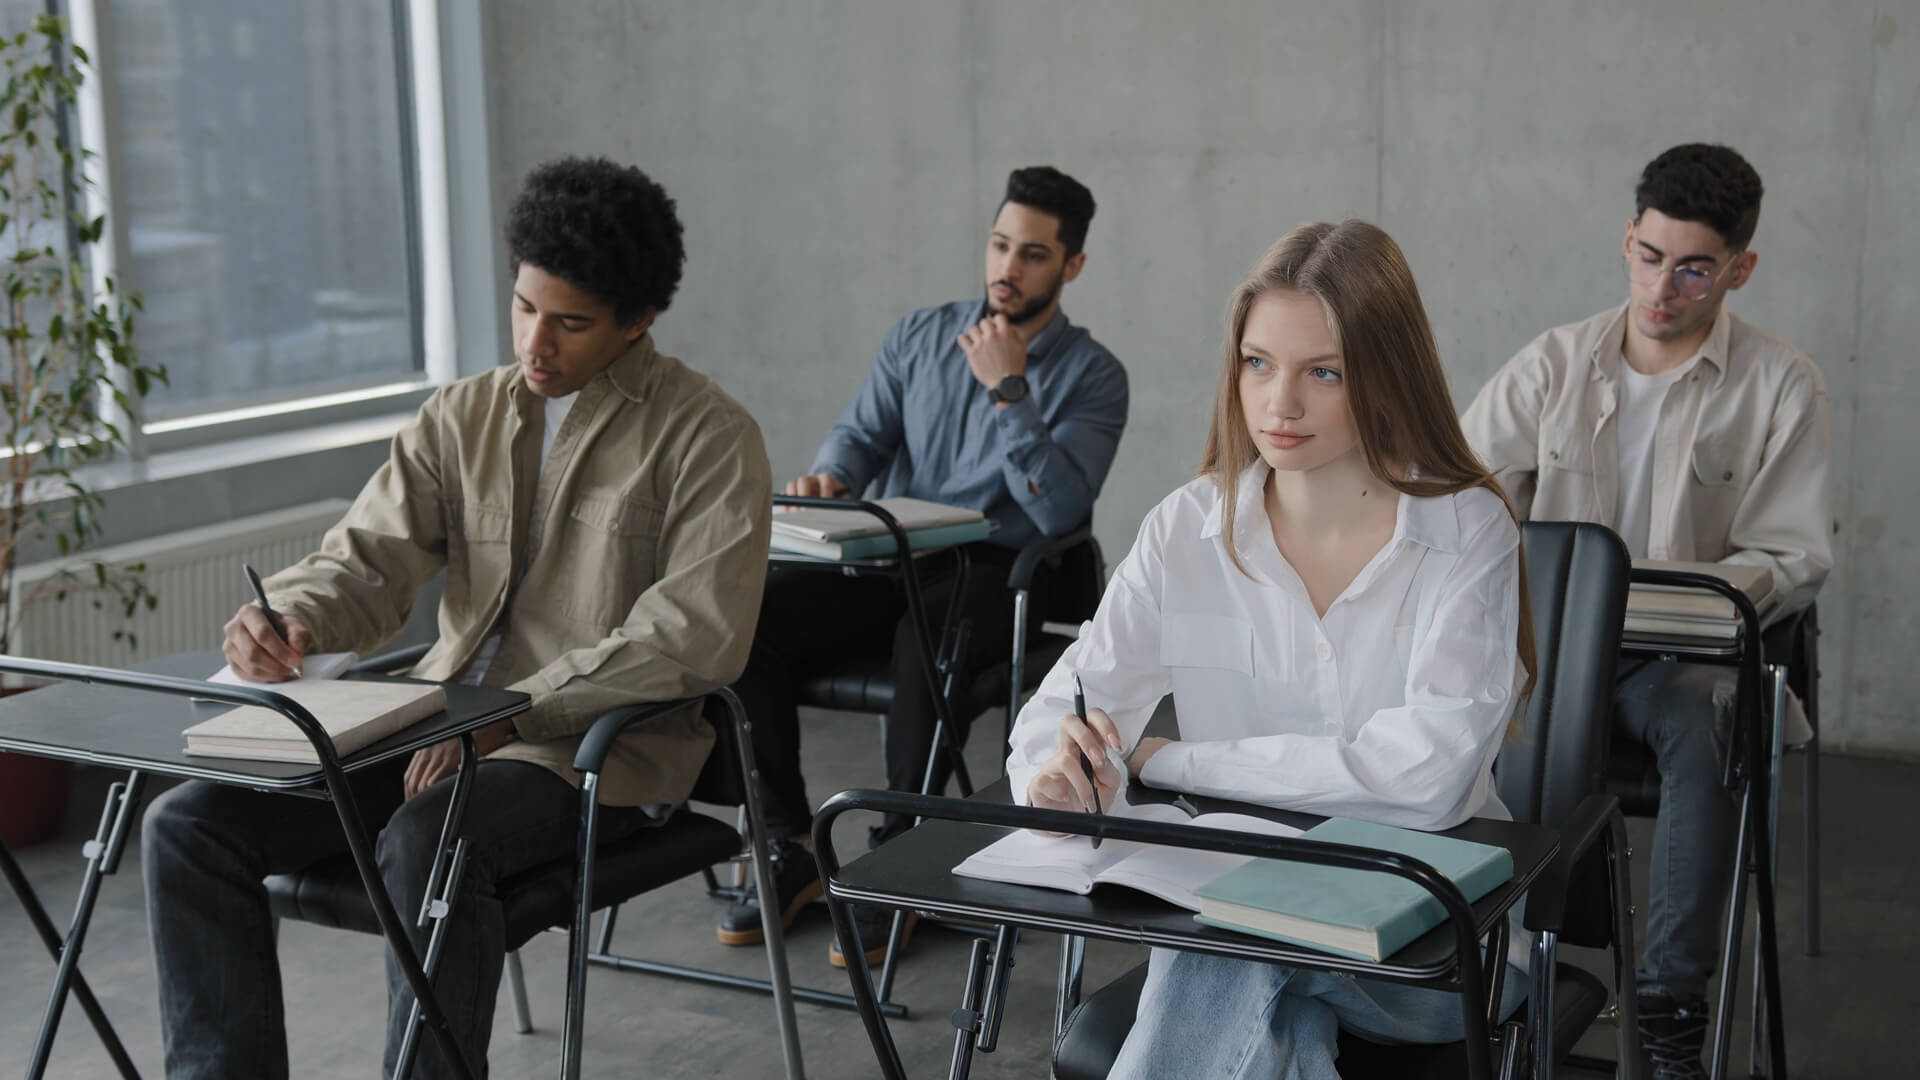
[1702, 182]
[1051, 191]
[606, 229]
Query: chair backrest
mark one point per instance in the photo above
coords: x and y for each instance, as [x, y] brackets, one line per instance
[1078, 582]
[1577, 575]
[721, 782]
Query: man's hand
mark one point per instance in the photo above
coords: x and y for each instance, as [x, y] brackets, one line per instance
[994, 350]
[819, 485]
[443, 758]
[255, 651]
[1061, 783]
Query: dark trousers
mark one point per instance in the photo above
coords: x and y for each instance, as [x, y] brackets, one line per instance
[815, 619]
[1682, 712]
[205, 849]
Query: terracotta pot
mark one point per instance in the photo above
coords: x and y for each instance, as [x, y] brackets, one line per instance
[33, 796]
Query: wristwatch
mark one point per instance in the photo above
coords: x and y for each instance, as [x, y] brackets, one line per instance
[1011, 389]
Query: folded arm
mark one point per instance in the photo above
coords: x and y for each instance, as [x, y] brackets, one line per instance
[1055, 472]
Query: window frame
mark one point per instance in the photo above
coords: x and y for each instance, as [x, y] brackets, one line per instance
[440, 266]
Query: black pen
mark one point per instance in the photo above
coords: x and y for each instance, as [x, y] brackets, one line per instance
[1080, 707]
[260, 597]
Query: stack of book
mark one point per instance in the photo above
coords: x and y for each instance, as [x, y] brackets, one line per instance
[1676, 611]
[856, 534]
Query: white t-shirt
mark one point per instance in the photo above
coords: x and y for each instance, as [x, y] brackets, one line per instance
[477, 667]
[1635, 422]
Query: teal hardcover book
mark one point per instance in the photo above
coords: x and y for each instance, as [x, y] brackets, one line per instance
[1355, 913]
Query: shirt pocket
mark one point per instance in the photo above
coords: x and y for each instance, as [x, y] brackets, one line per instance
[619, 536]
[1207, 641]
[1719, 479]
[479, 549]
[1566, 451]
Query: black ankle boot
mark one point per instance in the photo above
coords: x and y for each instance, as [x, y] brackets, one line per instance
[795, 875]
[1672, 1033]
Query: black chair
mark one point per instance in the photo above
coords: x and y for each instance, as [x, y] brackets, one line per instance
[1077, 575]
[567, 891]
[1551, 773]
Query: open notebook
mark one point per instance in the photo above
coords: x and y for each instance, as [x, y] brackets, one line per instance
[1071, 864]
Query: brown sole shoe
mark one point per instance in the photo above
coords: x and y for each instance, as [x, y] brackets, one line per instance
[754, 935]
[877, 954]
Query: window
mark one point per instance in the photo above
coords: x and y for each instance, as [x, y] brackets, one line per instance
[264, 172]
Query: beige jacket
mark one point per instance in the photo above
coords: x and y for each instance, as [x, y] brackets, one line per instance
[1740, 451]
[643, 543]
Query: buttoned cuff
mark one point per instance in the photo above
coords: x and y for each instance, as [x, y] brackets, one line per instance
[1022, 425]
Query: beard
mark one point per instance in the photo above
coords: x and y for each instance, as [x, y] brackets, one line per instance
[1026, 312]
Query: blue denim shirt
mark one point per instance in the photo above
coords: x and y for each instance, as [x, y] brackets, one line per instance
[921, 425]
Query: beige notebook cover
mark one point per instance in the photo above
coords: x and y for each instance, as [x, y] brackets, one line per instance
[355, 713]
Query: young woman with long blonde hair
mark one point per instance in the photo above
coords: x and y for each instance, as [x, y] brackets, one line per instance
[1338, 606]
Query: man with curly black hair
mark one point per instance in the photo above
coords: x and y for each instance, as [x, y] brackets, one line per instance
[998, 403]
[600, 512]
[1697, 437]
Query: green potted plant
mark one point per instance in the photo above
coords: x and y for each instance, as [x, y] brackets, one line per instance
[66, 343]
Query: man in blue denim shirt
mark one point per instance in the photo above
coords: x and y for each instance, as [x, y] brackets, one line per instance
[1000, 404]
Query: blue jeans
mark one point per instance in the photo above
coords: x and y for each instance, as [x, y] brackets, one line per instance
[1682, 712]
[1210, 1016]
[205, 849]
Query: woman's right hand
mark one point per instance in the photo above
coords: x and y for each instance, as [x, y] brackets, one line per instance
[1061, 783]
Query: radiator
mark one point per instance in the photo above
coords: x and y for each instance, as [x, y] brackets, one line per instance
[195, 575]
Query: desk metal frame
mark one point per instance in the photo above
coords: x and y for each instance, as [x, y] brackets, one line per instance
[328, 781]
[939, 666]
[1478, 982]
[1752, 768]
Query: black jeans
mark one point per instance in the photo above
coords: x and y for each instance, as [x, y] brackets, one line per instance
[206, 848]
[814, 618]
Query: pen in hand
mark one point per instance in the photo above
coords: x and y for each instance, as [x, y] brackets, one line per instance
[1086, 763]
[260, 597]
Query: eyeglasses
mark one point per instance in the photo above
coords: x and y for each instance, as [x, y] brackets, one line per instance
[1690, 280]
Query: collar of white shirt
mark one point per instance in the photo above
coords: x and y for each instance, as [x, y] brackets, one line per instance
[1432, 523]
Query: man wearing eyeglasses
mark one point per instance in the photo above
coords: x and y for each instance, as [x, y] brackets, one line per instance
[1696, 436]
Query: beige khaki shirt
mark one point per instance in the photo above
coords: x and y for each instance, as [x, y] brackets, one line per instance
[630, 571]
[1740, 450]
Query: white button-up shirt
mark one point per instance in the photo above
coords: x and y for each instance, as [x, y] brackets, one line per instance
[1390, 708]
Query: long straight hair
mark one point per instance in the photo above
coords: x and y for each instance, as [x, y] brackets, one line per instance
[1395, 387]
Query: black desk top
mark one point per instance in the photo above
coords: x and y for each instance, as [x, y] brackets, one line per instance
[135, 729]
[915, 870]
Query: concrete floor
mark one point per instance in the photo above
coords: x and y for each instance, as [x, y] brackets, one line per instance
[1846, 1010]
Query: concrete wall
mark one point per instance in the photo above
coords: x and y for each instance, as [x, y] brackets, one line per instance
[837, 163]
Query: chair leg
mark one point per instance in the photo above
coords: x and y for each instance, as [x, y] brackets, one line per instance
[1730, 951]
[1810, 815]
[517, 986]
[1073, 965]
[1540, 1005]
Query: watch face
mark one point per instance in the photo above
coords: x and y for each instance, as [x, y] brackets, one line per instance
[1012, 388]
